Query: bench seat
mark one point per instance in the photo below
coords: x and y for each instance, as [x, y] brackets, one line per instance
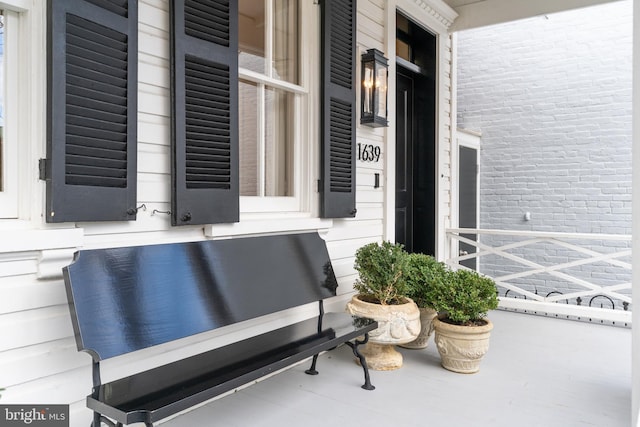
[126, 299]
[194, 380]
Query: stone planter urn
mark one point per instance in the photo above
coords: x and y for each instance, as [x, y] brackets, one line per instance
[426, 329]
[398, 324]
[462, 348]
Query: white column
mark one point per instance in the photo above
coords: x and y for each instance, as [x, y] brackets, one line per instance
[389, 170]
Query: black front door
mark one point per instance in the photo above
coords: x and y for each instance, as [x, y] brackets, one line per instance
[404, 164]
[415, 161]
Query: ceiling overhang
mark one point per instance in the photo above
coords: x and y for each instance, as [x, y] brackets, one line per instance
[479, 13]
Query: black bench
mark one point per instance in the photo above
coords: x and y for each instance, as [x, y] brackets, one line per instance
[130, 298]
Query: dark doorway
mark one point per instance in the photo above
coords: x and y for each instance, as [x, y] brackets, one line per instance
[468, 196]
[415, 138]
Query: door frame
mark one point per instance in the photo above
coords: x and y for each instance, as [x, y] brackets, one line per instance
[436, 17]
[468, 139]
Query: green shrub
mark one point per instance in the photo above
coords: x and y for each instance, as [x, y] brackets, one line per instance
[382, 268]
[465, 296]
[422, 272]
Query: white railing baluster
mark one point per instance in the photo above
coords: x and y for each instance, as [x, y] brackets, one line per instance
[574, 286]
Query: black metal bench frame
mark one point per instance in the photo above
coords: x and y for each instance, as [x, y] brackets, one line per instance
[126, 299]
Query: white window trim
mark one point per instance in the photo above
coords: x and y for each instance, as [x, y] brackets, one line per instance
[11, 137]
[305, 157]
[27, 115]
[23, 237]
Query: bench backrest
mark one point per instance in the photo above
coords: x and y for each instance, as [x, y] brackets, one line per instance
[129, 298]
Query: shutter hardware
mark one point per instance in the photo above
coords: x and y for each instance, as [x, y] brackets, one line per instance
[155, 211]
[44, 167]
[134, 211]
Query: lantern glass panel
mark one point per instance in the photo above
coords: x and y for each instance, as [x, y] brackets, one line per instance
[381, 91]
[367, 88]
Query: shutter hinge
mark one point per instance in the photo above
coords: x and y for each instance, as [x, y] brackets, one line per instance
[319, 186]
[44, 167]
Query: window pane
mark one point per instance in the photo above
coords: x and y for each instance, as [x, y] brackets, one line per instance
[269, 46]
[285, 40]
[403, 49]
[277, 45]
[248, 138]
[266, 167]
[251, 22]
[279, 132]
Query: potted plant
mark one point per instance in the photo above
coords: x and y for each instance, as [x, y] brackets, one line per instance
[381, 296]
[462, 330]
[423, 270]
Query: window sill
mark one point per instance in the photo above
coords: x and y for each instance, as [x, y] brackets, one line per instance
[255, 224]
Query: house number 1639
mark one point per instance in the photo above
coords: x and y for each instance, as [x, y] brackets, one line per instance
[368, 152]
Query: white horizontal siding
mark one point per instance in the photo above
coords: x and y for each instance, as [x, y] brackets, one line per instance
[373, 211]
[65, 387]
[31, 327]
[17, 266]
[154, 13]
[153, 129]
[153, 100]
[28, 293]
[370, 21]
[44, 360]
[157, 157]
[153, 74]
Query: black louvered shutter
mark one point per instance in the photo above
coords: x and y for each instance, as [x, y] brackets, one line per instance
[204, 75]
[338, 182]
[91, 110]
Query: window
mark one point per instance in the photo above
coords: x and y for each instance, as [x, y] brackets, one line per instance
[8, 116]
[270, 95]
[288, 131]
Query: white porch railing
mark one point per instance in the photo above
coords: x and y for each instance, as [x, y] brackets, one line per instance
[585, 276]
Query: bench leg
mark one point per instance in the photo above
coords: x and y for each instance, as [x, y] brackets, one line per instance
[98, 420]
[312, 369]
[104, 420]
[363, 362]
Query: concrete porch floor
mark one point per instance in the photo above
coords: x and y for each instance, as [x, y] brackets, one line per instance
[539, 371]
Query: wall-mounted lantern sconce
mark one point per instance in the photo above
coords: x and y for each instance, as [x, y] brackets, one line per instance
[375, 72]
